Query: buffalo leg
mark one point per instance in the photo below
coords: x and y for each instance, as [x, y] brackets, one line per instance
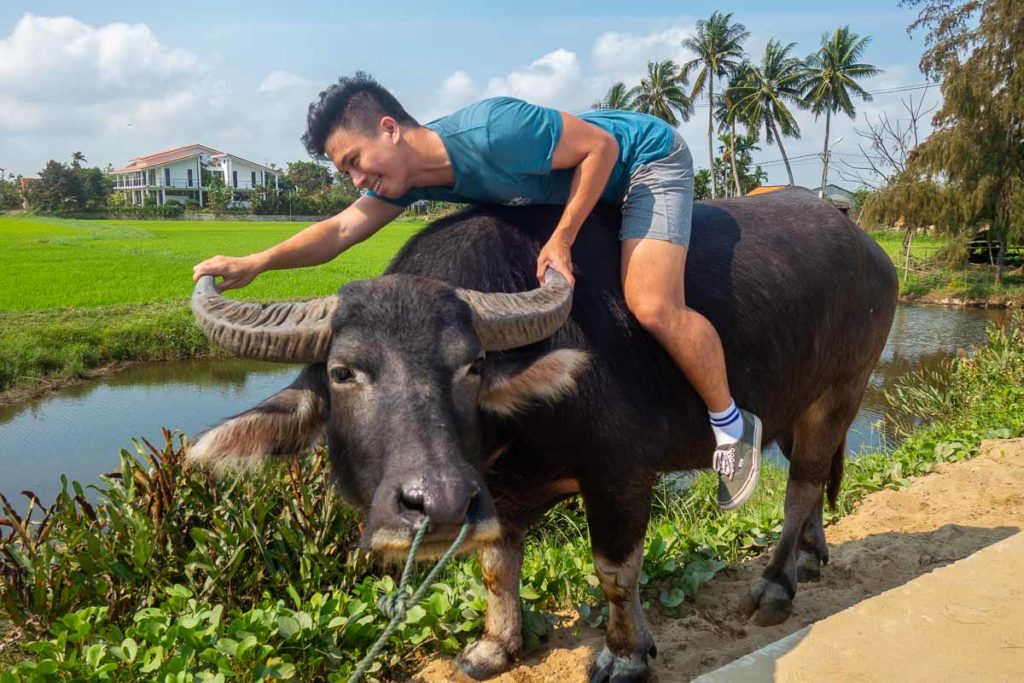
[819, 437]
[618, 522]
[502, 564]
[771, 599]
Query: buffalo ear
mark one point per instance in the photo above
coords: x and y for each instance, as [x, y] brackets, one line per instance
[289, 422]
[511, 386]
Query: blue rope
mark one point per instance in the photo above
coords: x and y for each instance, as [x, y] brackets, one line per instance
[396, 605]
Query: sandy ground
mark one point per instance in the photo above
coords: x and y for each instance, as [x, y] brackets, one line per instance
[891, 538]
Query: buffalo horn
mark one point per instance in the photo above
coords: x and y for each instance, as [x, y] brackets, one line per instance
[286, 332]
[505, 320]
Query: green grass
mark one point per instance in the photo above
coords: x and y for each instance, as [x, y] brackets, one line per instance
[54, 263]
[928, 279]
[172, 576]
[78, 295]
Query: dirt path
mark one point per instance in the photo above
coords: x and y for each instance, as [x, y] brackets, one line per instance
[891, 538]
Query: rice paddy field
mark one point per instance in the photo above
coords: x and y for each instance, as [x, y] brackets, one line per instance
[53, 263]
[77, 295]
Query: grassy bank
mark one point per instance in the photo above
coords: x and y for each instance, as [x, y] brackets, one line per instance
[926, 279]
[172, 576]
[81, 295]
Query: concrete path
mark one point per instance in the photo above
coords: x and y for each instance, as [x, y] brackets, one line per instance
[961, 622]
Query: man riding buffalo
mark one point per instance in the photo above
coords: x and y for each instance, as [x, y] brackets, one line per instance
[453, 390]
[506, 151]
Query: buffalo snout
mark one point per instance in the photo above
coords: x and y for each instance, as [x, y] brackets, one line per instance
[445, 501]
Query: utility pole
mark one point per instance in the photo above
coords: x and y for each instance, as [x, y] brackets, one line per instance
[825, 159]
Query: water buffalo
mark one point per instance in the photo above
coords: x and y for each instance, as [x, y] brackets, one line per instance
[438, 395]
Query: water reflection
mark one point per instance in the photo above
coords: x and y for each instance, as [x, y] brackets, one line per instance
[79, 430]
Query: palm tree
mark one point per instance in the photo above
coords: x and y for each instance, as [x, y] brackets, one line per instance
[830, 78]
[719, 48]
[662, 93]
[728, 113]
[76, 159]
[763, 95]
[617, 97]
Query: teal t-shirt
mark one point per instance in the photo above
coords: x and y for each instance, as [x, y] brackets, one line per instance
[501, 149]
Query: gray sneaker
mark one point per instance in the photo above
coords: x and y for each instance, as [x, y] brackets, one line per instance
[739, 464]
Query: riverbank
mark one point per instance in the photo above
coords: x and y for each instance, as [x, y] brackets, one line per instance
[925, 280]
[170, 571]
[83, 298]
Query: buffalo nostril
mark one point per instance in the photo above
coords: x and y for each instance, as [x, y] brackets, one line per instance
[411, 498]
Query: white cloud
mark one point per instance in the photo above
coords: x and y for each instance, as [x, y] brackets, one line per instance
[280, 80]
[457, 90]
[624, 56]
[549, 80]
[116, 91]
[61, 60]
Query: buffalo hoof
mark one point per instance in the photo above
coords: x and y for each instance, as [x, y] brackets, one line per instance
[611, 668]
[768, 604]
[808, 567]
[484, 659]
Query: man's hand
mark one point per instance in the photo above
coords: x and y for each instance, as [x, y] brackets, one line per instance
[236, 271]
[557, 254]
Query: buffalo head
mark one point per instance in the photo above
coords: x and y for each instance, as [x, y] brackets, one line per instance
[396, 381]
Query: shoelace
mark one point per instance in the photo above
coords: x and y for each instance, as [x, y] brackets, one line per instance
[724, 460]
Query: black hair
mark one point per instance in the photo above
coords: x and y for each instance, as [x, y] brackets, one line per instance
[356, 103]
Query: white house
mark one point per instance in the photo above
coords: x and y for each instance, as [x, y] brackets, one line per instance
[177, 174]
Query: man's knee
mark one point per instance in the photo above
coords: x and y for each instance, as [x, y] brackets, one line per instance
[654, 313]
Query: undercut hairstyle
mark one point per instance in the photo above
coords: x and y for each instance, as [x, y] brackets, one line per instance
[354, 103]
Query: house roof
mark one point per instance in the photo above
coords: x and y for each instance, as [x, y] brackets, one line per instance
[221, 155]
[167, 156]
[765, 189]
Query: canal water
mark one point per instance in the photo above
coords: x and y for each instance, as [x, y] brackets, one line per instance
[80, 430]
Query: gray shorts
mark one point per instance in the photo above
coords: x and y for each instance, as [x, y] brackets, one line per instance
[659, 200]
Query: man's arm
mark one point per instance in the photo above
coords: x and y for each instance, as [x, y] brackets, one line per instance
[316, 244]
[593, 153]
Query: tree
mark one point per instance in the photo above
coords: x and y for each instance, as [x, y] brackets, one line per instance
[662, 93]
[57, 189]
[728, 114]
[889, 143]
[766, 92]
[308, 176]
[831, 77]
[738, 148]
[719, 48]
[974, 159]
[77, 158]
[10, 195]
[617, 97]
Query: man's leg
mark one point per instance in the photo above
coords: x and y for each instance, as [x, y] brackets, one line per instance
[652, 280]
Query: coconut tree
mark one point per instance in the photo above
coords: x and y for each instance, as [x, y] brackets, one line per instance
[831, 78]
[718, 44]
[728, 113]
[617, 97]
[766, 92]
[77, 158]
[662, 93]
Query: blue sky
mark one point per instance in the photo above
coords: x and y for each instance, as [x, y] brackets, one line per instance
[118, 80]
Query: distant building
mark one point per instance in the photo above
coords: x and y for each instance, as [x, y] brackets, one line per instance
[23, 185]
[175, 175]
[840, 197]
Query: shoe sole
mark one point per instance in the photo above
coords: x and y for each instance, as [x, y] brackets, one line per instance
[755, 473]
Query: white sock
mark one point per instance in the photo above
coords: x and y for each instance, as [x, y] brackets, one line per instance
[727, 424]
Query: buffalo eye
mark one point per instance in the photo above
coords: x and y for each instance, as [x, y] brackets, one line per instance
[340, 374]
